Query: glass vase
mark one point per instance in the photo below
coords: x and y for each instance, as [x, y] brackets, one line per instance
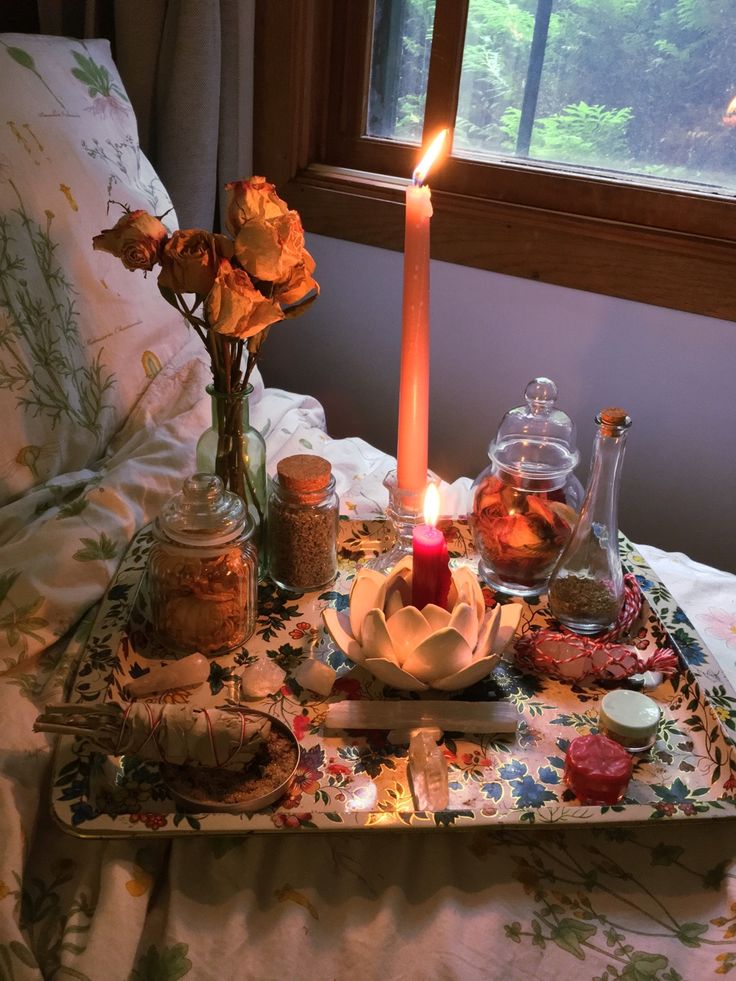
[236, 452]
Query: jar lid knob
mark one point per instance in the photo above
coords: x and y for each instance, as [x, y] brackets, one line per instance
[541, 394]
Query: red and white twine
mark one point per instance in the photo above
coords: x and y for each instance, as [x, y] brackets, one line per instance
[566, 656]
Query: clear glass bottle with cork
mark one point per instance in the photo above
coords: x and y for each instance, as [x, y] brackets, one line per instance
[586, 588]
[303, 518]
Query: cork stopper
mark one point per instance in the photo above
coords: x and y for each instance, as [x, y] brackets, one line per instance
[613, 421]
[304, 473]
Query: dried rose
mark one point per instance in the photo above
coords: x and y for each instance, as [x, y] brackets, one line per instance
[520, 534]
[235, 307]
[136, 239]
[190, 259]
[254, 198]
[298, 284]
[268, 249]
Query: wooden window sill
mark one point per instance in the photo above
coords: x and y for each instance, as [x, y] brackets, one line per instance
[665, 267]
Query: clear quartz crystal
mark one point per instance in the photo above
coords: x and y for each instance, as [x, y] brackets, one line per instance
[428, 768]
[260, 678]
[586, 587]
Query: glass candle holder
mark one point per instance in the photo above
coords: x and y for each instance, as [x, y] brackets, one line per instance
[405, 510]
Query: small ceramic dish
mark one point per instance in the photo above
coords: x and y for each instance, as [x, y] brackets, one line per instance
[238, 792]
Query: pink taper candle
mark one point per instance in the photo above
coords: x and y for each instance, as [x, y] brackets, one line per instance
[413, 435]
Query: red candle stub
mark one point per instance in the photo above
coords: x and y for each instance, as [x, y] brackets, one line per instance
[597, 769]
[431, 575]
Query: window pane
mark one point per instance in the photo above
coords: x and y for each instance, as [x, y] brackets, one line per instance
[402, 40]
[636, 86]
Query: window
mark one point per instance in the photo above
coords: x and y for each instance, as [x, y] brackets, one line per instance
[594, 146]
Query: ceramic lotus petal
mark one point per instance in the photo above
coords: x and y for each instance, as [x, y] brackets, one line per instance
[364, 596]
[407, 629]
[413, 649]
[443, 653]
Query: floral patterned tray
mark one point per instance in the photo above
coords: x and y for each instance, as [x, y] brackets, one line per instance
[348, 781]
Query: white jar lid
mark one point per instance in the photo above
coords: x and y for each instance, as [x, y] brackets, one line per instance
[630, 714]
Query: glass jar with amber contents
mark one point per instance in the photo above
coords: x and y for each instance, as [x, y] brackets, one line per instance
[203, 570]
[524, 504]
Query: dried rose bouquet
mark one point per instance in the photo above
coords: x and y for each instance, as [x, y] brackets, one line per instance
[230, 288]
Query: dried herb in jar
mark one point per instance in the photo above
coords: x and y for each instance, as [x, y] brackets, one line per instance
[303, 515]
[581, 597]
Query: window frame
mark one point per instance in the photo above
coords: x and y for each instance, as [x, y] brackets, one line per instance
[648, 242]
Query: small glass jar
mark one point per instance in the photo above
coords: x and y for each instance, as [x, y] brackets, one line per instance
[525, 503]
[203, 570]
[303, 518]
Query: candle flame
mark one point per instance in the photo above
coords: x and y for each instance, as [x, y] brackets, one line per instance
[431, 505]
[730, 117]
[425, 164]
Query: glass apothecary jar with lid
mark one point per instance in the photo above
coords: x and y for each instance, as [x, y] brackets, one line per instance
[303, 519]
[524, 503]
[202, 572]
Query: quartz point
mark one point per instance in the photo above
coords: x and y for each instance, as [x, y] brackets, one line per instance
[262, 677]
[188, 671]
[315, 675]
[428, 768]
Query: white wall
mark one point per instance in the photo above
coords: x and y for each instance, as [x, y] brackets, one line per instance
[491, 334]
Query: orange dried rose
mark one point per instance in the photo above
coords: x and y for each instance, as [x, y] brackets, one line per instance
[297, 285]
[136, 239]
[235, 307]
[268, 249]
[190, 259]
[254, 198]
[520, 535]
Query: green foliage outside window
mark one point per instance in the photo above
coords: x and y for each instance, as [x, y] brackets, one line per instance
[638, 85]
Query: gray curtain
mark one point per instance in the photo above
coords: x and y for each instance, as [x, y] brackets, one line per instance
[188, 68]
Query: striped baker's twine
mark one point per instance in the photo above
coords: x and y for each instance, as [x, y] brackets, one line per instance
[622, 660]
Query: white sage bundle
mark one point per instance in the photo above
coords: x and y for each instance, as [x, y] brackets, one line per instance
[220, 738]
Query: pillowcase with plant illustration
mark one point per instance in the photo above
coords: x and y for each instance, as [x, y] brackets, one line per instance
[80, 338]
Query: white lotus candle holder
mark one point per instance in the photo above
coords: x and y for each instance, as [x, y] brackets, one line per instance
[415, 650]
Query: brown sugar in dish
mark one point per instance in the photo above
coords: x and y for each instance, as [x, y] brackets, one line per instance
[270, 770]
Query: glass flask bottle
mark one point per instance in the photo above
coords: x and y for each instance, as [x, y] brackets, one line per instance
[586, 588]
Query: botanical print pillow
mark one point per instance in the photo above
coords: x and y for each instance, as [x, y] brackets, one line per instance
[81, 338]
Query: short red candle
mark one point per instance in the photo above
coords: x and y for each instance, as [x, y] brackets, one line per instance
[430, 581]
[597, 769]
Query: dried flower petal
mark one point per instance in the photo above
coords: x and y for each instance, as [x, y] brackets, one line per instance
[190, 259]
[269, 249]
[235, 307]
[254, 198]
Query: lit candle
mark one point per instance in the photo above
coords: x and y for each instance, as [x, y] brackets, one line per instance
[430, 582]
[413, 432]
